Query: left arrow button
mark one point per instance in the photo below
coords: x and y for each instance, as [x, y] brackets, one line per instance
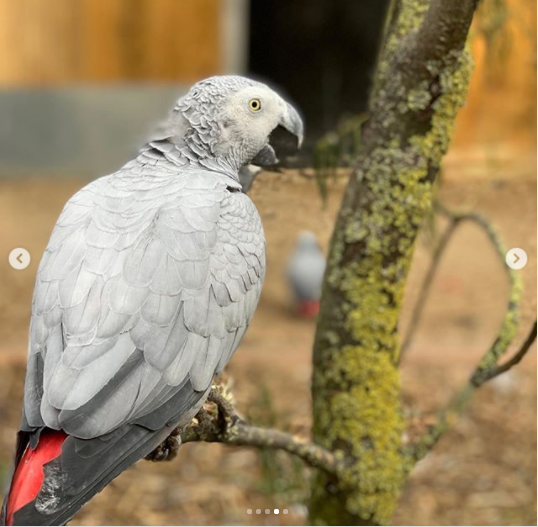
[19, 258]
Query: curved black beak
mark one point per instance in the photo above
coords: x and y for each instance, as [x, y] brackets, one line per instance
[292, 122]
[284, 141]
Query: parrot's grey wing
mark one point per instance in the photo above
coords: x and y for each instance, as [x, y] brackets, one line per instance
[146, 288]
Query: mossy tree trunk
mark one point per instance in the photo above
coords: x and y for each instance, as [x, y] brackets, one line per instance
[420, 83]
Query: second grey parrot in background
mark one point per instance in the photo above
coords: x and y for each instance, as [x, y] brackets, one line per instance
[146, 288]
[306, 268]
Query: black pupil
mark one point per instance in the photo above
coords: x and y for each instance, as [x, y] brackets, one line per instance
[255, 104]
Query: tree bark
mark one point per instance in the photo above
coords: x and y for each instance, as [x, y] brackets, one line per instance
[420, 83]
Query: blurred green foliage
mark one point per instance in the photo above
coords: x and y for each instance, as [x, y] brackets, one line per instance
[491, 24]
[284, 477]
[337, 148]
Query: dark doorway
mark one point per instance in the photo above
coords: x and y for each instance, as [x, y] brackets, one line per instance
[321, 52]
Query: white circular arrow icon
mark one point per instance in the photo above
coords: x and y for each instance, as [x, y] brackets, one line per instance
[19, 258]
[516, 258]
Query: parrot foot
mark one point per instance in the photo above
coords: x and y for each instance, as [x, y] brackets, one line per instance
[167, 450]
[209, 423]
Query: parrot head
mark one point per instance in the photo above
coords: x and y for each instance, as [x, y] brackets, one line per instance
[307, 242]
[232, 120]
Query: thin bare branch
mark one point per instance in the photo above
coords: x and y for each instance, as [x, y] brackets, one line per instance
[508, 329]
[459, 402]
[221, 424]
[455, 220]
[488, 367]
[516, 358]
[418, 310]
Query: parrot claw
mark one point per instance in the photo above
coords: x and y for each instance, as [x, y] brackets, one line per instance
[167, 450]
[216, 420]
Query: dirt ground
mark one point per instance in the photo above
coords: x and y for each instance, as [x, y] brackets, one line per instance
[483, 472]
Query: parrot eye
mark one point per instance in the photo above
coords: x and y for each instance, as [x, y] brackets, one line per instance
[255, 105]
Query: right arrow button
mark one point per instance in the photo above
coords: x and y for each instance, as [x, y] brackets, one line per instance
[516, 258]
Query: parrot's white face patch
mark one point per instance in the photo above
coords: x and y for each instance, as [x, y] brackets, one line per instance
[227, 121]
[249, 116]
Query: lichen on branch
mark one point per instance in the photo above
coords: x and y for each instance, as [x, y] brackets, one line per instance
[420, 83]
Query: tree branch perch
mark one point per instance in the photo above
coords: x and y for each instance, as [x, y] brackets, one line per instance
[221, 424]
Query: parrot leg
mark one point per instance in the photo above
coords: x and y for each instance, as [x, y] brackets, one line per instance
[168, 449]
[222, 400]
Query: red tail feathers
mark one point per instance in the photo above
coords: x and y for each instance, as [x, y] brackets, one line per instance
[28, 477]
[308, 308]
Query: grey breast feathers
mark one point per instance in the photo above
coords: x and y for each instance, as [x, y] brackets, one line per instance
[147, 283]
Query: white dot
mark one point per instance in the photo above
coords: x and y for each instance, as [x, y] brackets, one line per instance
[249, 511]
[258, 511]
[267, 511]
[285, 511]
[276, 511]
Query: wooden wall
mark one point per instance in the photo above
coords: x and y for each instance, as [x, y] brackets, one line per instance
[56, 42]
[501, 105]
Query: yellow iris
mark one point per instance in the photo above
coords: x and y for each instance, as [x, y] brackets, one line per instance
[255, 105]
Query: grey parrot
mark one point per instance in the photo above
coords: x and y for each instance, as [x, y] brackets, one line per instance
[146, 288]
[306, 268]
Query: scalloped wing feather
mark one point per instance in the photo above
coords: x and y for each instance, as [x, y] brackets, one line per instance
[149, 282]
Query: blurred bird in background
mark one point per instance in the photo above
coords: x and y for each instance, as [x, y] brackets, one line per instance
[305, 274]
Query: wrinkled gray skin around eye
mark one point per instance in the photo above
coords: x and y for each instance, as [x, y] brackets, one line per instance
[148, 283]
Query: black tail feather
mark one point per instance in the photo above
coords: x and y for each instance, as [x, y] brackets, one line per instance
[71, 480]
